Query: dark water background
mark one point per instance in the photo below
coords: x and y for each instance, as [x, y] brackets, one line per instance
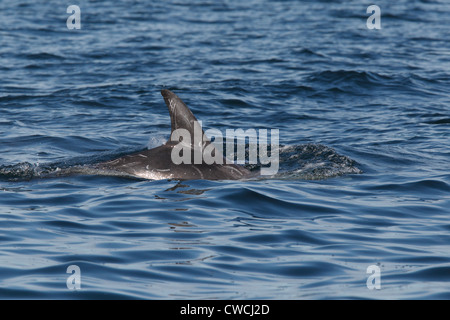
[345, 98]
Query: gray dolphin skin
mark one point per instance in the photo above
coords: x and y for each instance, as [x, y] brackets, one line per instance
[157, 164]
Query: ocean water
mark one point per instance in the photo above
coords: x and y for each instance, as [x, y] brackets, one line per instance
[364, 121]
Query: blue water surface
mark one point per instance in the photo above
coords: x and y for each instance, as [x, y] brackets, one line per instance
[368, 110]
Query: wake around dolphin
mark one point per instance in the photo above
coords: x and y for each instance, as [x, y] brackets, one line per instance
[158, 163]
[188, 142]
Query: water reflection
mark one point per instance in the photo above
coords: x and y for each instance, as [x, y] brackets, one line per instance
[181, 188]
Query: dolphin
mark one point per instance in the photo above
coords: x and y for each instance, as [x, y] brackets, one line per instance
[158, 164]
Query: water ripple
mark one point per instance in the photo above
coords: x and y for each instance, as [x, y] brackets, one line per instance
[363, 181]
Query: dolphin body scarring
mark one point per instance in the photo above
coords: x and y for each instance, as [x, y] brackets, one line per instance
[158, 164]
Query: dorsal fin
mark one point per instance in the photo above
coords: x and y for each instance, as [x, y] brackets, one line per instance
[180, 115]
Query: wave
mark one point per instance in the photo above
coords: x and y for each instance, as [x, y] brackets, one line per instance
[439, 121]
[314, 162]
[353, 81]
[302, 162]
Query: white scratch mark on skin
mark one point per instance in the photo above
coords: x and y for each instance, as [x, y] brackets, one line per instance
[130, 164]
[113, 162]
[198, 170]
[172, 104]
[162, 170]
[142, 155]
[240, 173]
